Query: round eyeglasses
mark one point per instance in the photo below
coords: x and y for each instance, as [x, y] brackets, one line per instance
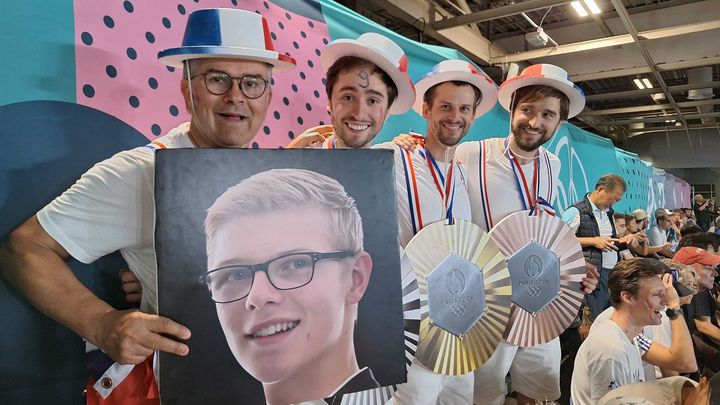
[232, 283]
[219, 83]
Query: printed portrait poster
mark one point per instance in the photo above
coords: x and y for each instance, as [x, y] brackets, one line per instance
[285, 265]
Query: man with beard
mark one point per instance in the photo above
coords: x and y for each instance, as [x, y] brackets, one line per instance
[366, 81]
[517, 173]
[431, 185]
[539, 100]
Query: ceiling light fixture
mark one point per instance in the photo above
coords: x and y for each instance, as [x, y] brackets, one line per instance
[647, 83]
[579, 8]
[590, 4]
[639, 84]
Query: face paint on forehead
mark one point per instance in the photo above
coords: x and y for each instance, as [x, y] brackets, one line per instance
[364, 79]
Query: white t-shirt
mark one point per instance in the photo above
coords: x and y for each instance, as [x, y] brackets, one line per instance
[665, 391]
[502, 190]
[661, 334]
[112, 207]
[607, 359]
[657, 236]
[429, 199]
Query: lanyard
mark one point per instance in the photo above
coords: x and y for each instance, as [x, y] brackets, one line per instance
[444, 185]
[529, 199]
[329, 143]
[533, 201]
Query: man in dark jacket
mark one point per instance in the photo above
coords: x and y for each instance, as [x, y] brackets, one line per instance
[597, 235]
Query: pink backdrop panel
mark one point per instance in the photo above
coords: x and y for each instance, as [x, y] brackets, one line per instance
[117, 69]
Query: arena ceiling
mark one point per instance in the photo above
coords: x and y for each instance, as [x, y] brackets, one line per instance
[673, 45]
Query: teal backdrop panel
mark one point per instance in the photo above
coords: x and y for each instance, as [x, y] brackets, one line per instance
[638, 176]
[37, 48]
[585, 157]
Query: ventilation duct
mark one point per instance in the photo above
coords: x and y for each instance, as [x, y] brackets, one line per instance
[700, 75]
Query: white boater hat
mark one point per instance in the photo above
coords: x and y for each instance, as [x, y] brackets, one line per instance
[543, 75]
[458, 70]
[227, 33]
[382, 52]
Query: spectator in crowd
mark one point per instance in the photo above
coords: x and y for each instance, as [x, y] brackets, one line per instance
[689, 215]
[700, 314]
[658, 233]
[689, 229]
[597, 233]
[635, 224]
[676, 223]
[662, 333]
[715, 228]
[700, 240]
[633, 242]
[632, 227]
[612, 354]
[641, 218]
[703, 210]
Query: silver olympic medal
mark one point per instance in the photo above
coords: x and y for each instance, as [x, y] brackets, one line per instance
[456, 295]
[535, 277]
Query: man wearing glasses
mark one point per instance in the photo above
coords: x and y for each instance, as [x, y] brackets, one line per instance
[287, 293]
[228, 58]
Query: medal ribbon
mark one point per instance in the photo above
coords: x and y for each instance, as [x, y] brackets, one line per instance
[525, 195]
[445, 187]
[329, 143]
[536, 205]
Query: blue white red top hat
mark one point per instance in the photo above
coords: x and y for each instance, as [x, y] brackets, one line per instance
[457, 70]
[382, 52]
[543, 75]
[226, 33]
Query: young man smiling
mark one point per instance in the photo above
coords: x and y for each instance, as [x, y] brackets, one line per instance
[287, 293]
[513, 174]
[612, 354]
[539, 100]
[366, 81]
[431, 185]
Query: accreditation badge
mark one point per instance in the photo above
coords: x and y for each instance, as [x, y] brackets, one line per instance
[465, 296]
[546, 265]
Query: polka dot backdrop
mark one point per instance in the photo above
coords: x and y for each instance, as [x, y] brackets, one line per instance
[118, 72]
[637, 175]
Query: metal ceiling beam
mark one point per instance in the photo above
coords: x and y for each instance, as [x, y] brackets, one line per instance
[625, 18]
[663, 118]
[685, 64]
[608, 42]
[420, 14]
[638, 93]
[637, 132]
[603, 16]
[653, 107]
[495, 13]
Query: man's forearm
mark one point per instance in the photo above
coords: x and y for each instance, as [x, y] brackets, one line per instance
[40, 274]
[587, 241]
[681, 346]
[708, 329]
